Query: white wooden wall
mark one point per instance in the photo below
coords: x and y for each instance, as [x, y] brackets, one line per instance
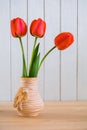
[64, 74]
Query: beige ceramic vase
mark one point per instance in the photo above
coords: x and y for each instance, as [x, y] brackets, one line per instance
[28, 101]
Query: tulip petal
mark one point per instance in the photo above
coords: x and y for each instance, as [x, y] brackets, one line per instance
[63, 40]
[18, 27]
[38, 28]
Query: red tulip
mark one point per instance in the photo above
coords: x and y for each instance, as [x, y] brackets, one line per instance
[63, 40]
[18, 27]
[38, 28]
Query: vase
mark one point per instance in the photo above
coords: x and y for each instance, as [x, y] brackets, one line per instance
[28, 101]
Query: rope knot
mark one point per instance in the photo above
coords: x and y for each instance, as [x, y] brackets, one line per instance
[21, 96]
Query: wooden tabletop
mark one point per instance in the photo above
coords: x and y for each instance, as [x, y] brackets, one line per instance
[55, 116]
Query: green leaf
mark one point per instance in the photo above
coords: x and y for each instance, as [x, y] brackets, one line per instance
[36, 49]
[35, 65]
[34, 57]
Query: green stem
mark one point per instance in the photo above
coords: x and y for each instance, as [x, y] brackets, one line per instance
[24, 71]
[35, 41]
[45, 57]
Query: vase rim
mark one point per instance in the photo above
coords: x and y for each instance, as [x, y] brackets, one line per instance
[28, 78]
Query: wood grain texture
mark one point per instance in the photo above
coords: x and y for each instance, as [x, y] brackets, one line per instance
[55, 116]
[68, 56]
[64, 74]
[52, 62]
[5, 92]
[82, 50]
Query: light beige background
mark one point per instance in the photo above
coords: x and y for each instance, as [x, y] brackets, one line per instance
[64, 74]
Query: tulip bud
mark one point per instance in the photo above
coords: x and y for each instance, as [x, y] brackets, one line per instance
[38, 28]
[18, 27]
[63, 40]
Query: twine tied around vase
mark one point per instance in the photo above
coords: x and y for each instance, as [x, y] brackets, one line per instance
[21, 96]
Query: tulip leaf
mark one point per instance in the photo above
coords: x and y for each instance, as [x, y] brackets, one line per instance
[35, 65]
[34, 60]
[36, 49]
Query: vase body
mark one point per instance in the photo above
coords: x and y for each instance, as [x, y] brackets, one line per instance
[28, 100]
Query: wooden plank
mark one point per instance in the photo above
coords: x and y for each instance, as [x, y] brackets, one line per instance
[73, 78]
[35, 11]
[69, 56]
[82, 50]
[4, 52]
[52, 17]
[65, 116]
[16, 57]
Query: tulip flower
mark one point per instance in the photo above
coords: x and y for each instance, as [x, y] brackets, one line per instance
[18, 27]
[38, 28]
[63, 40]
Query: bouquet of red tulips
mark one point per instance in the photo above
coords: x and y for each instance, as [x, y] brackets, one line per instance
[37, 30]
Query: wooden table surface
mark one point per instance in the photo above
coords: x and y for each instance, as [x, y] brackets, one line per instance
[55, 116]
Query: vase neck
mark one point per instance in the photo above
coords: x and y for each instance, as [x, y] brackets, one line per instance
[29, 82]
